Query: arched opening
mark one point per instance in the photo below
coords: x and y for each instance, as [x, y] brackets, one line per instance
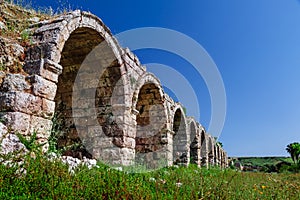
[194, 144]
[203, 150]
[151, 121]
[210, 148]
[180, 140]
[84, 93]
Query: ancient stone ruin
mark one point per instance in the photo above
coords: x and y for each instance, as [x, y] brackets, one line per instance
[76, 74]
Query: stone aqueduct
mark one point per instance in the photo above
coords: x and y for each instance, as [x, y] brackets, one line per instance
[121, 115]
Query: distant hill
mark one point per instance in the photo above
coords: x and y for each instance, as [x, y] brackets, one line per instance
[266, 164]
[262, 161]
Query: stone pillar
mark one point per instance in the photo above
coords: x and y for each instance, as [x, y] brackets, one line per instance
[195, 151]
[211, 156]
[27, 101]
[203, 148]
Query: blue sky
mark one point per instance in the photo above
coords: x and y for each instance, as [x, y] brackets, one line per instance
[256, 47]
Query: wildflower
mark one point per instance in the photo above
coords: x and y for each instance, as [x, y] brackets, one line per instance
[263, 187]
[254, 187]
[32, 155]
[119, 168]
[162, 181]
[152, 179]
[178, 184]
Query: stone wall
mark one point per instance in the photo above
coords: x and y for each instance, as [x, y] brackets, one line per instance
[76, 73]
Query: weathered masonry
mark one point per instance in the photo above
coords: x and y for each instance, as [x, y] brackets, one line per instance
[102, 96]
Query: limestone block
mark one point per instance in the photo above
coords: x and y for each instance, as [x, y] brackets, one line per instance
[124, 142]
[47, 26]
[95, 131]
[3, 130]
[45, 68]
[47, 35]
[128, 156]
[129, 130]
[101, 142]
[48, 108]
[7, 100]
[27, 103]
[43, 87]
[2, 76]
[14, 82]
[83, 122]
[71, 26]
[11, 143]
[41, 126]
[83, 103]
[20, 101]
[88, 21]
[115, 156]
[51, 32]
[107, 156]
[90, 112]
[64, 34]
[17, 121]
[2, 25]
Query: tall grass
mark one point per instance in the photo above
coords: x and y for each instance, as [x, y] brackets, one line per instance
[51, 180]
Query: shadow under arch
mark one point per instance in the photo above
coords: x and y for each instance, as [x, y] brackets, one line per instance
[194, 142]
[180, 137]
[204, 147]
[210, 151]
[151, 121]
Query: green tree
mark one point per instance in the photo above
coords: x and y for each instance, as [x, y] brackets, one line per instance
[294, 150]
[220, 144]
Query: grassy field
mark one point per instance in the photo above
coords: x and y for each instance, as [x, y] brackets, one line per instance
[262, 161]
[51, 180]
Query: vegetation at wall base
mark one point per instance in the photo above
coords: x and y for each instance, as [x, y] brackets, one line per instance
[51, 180]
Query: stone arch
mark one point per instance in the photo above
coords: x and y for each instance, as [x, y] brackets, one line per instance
[105, 106]
[147, 78]
[51, 35]
[151, 118]
[77, 52]
[180, 136]
[194, 143]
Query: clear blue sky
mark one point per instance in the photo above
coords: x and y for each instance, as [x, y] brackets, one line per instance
[256, 47]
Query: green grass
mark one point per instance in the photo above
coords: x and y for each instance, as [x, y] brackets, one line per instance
[262, 161]
[51, 180]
